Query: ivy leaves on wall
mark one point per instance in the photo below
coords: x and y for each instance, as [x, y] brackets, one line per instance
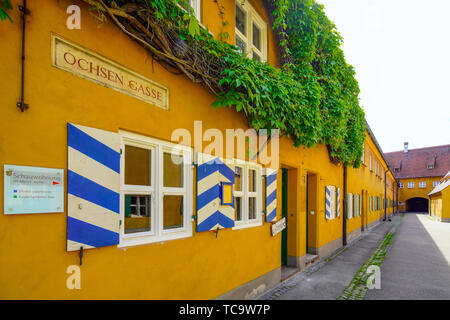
[312, 47]
[5, 5]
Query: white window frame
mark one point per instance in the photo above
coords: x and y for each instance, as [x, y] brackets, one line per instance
[196, 6]
[157, 191]
[435, 183]
[245, 194]
[411, 185]
[422, 184]
[370, 163]
[363, 158]
[252, 17]
[401, 185]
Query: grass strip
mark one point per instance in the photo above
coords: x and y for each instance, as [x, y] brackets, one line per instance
[357, 288]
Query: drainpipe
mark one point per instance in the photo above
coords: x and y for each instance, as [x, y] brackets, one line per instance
[21, 104]
[344, 209]
[384, 201]
[397, 199]
[393, 196]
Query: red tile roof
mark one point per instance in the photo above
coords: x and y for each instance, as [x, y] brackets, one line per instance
[414, 163]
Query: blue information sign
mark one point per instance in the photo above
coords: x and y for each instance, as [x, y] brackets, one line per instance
[33, 190]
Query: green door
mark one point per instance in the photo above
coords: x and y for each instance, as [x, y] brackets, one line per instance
[307, 214]
[284, 215]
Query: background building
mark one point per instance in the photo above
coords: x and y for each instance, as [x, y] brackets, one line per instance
[418, 172]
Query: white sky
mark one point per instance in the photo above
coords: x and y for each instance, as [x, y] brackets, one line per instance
[401, 53]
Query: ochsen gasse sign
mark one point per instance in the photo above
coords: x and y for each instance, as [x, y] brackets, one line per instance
[89, 65]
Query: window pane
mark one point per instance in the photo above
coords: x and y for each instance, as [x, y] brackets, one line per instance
[255, 56]
[173, 170]
[251, 180]
[252, 208]
[137, 166]
[241, 20]
[173, 212]
[238, 209]
[237, 179]
[256, 37]
[184, 4]
[137, 213]
[241, 45]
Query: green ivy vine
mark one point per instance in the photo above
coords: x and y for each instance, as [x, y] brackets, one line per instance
[5, 5]
[312, 98]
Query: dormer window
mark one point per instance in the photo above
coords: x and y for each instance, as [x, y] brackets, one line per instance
[430, 166]
[396, 169]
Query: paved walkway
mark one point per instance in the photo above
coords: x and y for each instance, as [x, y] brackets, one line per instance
[328, 278]
[417, 265]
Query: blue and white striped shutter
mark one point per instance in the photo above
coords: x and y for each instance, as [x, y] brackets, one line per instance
[330, 199]
[338, 202]
[349, 205]
[211, 171]
[333, 202]
[93, 183]
[271, 194]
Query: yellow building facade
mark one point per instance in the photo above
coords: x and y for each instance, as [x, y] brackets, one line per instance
[415, 188]
[440, 200]
[418, 172]
[172, 259]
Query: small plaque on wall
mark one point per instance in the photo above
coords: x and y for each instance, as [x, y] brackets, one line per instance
[278, 226]
[33, 190]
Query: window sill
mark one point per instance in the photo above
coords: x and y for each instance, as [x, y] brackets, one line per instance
[247, 225]
[142, 240]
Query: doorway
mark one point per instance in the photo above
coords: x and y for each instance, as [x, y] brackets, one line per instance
[417, 205]
[290, 211]
[284, 214]
[311, 214]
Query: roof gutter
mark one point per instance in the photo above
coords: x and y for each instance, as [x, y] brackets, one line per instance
[380, 150]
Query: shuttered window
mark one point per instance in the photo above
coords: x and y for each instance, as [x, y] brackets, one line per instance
[271, 195]
[156, 190]
[330, 202]
[349, 205]
[93, 187]
[250, 196]
[338, 202]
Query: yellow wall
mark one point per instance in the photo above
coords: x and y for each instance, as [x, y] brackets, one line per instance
[440, 204]
[33, 247]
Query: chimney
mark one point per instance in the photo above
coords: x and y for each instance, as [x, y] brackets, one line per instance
[406, 147]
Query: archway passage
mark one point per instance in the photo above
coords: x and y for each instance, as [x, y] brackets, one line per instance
[417, 205]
